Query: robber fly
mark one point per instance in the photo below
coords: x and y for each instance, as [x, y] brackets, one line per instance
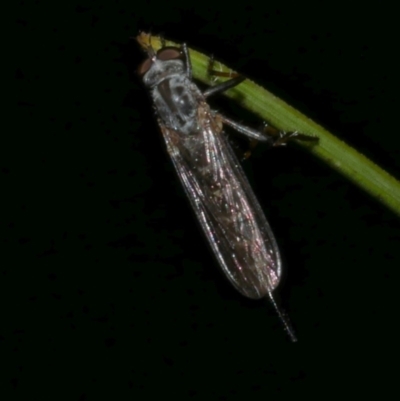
[215, 184]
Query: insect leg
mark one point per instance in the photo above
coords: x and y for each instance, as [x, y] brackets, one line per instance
[236, 79]
[270, 134]
[245, 130]
[282, 137]
[188, 63]
[217, 73]
[253, 143]
[162, 40]
[222, 87]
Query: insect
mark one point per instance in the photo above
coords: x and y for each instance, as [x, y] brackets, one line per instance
[211, 175]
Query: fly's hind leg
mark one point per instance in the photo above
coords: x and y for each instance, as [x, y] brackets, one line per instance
[252, 134]
[245, 130]
[271, 135]
[281, 138]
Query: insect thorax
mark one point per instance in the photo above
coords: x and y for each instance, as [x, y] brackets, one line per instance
[176, 99]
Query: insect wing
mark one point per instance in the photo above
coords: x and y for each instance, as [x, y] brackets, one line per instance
[227, 209]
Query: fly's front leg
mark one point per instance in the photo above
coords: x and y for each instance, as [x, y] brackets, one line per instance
[224, 86]
[162, 40]
[235, 80]
[217, 73]
[188, 63]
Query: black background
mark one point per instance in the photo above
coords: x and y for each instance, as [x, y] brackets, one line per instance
[108, 287]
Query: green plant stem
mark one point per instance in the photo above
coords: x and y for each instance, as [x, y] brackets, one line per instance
[340, 156]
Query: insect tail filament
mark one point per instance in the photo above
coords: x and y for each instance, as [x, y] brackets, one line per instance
[283, 318]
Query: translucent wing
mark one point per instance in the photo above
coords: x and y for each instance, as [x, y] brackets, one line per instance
[225, 205]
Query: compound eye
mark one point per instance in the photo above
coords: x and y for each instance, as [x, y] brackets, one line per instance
[169, 53]
[145, 66]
